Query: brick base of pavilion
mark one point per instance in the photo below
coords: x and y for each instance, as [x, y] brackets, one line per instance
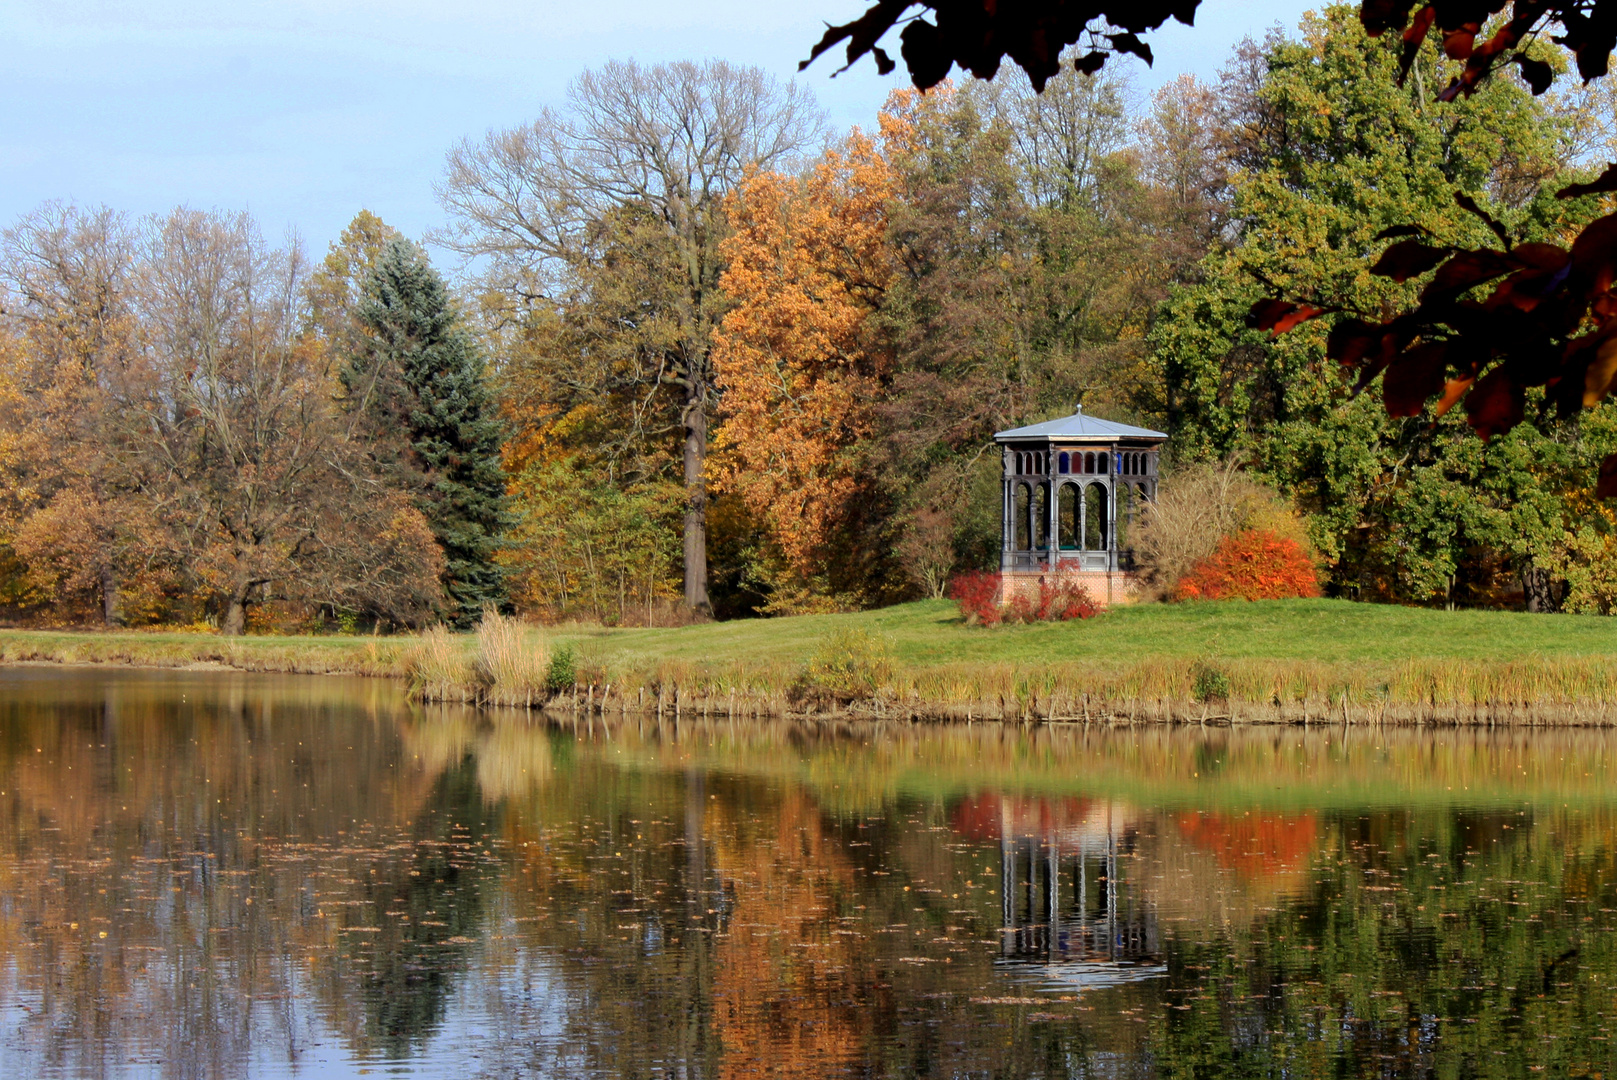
[1108, 588]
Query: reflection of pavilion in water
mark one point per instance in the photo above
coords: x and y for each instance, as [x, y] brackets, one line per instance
[1067, 914]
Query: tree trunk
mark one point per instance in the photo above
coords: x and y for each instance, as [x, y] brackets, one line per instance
[696, 502]
[1539, 589]
[235, 622]
[111, 615]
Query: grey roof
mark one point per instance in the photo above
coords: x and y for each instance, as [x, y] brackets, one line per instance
[1079, 426]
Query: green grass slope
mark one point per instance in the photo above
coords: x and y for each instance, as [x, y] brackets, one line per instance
[1326, 631]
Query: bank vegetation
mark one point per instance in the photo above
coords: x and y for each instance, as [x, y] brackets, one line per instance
[1304, 661]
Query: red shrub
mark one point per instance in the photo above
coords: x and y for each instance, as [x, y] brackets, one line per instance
[1064, 599]
[1251, 565]
[977, 594]
[1020, 607]
[1058, 600]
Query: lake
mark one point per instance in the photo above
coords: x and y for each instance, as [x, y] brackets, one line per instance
[212, 874]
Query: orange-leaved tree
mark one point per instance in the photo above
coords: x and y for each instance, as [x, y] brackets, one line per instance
[800, 362]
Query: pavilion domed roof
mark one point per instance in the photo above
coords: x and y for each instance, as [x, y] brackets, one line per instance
[1079, 426]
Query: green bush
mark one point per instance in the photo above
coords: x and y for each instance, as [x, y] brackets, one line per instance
[563, 671]
[850, 661]
[1211, 683]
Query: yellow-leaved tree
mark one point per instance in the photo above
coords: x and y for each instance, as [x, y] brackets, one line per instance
[802, 364]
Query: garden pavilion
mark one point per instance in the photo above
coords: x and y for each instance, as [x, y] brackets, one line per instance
[1072, 491]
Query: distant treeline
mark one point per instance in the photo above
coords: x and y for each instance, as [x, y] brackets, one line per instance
[196, 426]
[706, 356]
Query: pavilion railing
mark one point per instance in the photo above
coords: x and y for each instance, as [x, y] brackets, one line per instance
[1087, 561]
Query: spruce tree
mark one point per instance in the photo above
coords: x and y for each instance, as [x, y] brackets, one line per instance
[420, 380]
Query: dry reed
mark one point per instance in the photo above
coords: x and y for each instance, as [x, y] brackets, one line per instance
[513, 661]
[508, 663]
[439, 669]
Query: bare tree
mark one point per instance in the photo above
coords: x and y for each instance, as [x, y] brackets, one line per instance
[259, 485]
[665, 142]
[1061, 137]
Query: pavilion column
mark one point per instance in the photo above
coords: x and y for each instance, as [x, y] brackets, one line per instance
[1112, 466]
[1111, 522]
[1052, 511]
[1083, 516]
[1007, 513]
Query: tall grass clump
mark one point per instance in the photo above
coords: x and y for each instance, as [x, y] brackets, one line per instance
[1210, 683]
[438, 668]
[512, 660]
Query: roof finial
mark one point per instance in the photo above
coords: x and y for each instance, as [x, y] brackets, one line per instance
[1078, 409]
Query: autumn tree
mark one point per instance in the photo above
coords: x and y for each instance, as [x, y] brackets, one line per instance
[336, 287]
[647, 155]
[1190, 142]
[595, 447]
[801, 367]
[75, 481]
[1405, 506]
[582, 545]
[261, 493]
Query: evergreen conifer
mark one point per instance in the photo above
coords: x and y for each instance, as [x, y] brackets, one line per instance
[420, 380]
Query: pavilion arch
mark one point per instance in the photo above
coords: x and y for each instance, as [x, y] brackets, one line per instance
[1039, 517]
[1095, 531]
[1068, 522]
[1022, 519]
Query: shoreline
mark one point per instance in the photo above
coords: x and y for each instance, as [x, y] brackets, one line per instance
[1281, 663]
[678, 706]
[90, 665]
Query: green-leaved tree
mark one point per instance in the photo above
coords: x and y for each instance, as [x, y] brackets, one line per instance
[1334, 151]
[418, 380]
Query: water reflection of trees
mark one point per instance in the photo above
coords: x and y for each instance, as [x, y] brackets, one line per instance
[189, 864]
[1333, 938]
[717, 901]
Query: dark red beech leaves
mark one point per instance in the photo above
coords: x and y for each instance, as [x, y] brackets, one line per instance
[980, 34]
[1492, 323]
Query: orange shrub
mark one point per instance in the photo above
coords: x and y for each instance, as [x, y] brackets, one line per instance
[1251, 565]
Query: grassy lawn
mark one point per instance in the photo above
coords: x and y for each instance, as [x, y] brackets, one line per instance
[1326, 631]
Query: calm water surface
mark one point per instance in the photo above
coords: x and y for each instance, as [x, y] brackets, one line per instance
[215, 875]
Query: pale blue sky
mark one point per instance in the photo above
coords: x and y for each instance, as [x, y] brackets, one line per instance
[305, 111]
